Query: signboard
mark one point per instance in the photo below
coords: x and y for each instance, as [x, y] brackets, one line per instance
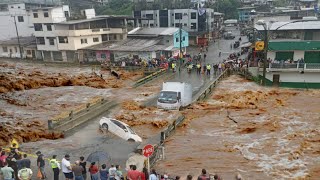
[259, 46]
[148, 150]
[184, 40]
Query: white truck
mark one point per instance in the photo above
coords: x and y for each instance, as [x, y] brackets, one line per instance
[174, 95]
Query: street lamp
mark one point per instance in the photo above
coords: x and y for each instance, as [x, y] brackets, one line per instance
[266, 28]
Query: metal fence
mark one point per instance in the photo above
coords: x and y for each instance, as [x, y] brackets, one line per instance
[158, 153]
[298, 66]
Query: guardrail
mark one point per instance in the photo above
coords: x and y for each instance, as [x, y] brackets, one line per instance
[67, 121]
[149, 78]
[208, 90]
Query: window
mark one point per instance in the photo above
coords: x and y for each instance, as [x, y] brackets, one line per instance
[10, 50]
[38, 27]
[29, 52]
[49, 27]
[185, 24]
[84, 41]
[46, 14]
[5, 49]
[16, 49]
[18, 7]
[183, 38]
[177, 39]
[95, 39]
[40, 40]
[149, 16]
[151, 25]
[51, 40]
[178, 16]
[63, 39]
[20, 19]
[177, 25]
[193, 25]
[66, 14]
[193, 15]
[35, 15]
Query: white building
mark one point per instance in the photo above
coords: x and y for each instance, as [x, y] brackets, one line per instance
[9, 13]
[58, 38]
[191, 19]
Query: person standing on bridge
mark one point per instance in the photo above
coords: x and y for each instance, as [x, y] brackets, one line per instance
[55, 167]
[198, 68]
[41, 164]
[66, 167]
[204, 57]
[208, 69]
[220, 54]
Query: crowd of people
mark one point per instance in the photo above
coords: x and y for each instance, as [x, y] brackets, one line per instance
[15, 165]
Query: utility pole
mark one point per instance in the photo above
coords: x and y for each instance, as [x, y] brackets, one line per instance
[180, 41]
[266, 33]
[15, 24]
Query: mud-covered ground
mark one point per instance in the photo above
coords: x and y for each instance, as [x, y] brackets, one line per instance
[261, 133]
[31, 94]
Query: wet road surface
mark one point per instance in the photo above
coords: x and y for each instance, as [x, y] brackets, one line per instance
[88, 138]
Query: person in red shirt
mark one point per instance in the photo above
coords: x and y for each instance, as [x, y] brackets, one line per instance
[134, 174]
[93, 169]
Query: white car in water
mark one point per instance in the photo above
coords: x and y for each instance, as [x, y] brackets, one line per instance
[119, 128]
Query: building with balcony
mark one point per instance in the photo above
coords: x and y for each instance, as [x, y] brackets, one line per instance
[294, 41]
[199, 24]
[58, 38]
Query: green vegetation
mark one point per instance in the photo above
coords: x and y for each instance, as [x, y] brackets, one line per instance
[116, 7]
[228, 7]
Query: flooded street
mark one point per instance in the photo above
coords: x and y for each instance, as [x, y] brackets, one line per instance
[243, 128]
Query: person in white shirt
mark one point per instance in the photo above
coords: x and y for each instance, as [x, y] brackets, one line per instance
[153, 175]
[112, 172]
[25, 173]
[66, 167]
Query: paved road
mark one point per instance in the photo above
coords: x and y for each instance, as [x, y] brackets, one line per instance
[88, 139]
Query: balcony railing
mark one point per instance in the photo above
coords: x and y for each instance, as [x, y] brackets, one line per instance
[294, 66]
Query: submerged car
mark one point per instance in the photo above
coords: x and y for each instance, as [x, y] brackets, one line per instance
[120, 129]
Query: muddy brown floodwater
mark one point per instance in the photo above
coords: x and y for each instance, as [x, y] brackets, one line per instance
[261, 133]
[31, 94]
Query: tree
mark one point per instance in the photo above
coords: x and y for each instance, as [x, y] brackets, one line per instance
[116, 7]
[228, 7]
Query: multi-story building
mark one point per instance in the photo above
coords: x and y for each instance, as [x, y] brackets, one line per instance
[294, 41]
[12, 16]
[199, 24]
[244, 14]
[190, 18]
[58, 38]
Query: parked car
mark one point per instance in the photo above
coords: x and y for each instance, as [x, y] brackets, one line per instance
[228, 35]
[120, 129]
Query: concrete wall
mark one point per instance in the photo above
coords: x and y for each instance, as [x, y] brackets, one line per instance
[7, 26]
[55, 15]
[308, 77]
[271, 54]
[298, 55]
